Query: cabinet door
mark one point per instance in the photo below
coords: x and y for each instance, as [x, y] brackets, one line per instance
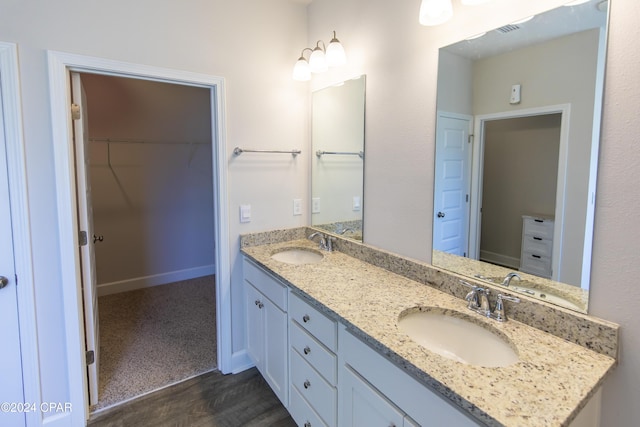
[275, 350]
[255, 326]
[362, 405]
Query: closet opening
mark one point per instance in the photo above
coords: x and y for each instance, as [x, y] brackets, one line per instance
[148, 169]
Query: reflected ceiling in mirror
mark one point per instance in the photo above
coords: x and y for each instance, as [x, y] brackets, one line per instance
[517, 139]
[337, 165]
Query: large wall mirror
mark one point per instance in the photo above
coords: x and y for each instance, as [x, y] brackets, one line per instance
[517, 139]
[337, 168]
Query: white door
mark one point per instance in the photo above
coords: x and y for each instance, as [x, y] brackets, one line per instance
[452, 184]
[11, 391]
[85, 224]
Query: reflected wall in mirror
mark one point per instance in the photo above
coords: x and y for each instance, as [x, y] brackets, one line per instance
[517, 139]
[337, 168]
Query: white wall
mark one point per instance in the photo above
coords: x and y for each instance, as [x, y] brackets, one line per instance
[253, 44]
[399, 57]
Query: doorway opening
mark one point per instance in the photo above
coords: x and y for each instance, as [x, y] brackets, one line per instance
[149, 170]
[61, 66]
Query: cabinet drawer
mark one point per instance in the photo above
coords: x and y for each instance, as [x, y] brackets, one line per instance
[302, 413]
[535, 264]
[310, 349]
[266, 284]
[537, 245]
[313, 321]
[322, 397]
[542, 228]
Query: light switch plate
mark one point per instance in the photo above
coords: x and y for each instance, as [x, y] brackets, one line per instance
[356, 203]
[297, 206]
[315, 205]
[245, 213]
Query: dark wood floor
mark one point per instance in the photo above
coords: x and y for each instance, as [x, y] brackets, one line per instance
[211, 400]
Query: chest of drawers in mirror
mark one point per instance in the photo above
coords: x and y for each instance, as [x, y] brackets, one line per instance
[313, 375]
[537, 245]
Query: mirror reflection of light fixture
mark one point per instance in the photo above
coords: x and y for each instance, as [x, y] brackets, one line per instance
[523, 20]
[576, 2]
[320, 59]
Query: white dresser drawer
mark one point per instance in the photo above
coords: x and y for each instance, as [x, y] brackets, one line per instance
[538, 227]
[316, 323]
[302, 413]
[310, 349]
[537, 245]
[265, 283]
[535, 264]
[322, 397]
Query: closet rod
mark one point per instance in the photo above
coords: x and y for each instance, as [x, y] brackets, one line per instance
[360, 154]
[142, 141]
[237, 151]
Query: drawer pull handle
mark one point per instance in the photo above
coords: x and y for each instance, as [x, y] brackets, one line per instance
[539, 220]
[537, 238]
[536, 256]
[307, 350]
[306, 318]
[307, 424]
[257, 302]
[306, 384]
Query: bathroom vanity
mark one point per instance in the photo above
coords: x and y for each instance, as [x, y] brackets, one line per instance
[328, 343]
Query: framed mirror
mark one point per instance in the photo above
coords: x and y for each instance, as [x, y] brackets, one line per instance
[337, 165]
[517, 137]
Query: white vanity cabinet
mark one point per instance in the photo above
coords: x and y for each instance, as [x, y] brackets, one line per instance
[267, 341]
[374, 391]
[537, 245]
[314, 370]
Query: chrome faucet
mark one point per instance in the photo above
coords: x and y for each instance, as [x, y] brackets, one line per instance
[478, 301]
[325, 243]
[507, 280]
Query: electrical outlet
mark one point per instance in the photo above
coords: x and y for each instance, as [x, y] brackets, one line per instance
[356, 203]
[315, 205]
[297, 206]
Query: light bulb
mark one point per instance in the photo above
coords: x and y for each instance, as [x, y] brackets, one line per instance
[435, 12]
[317, 61]
[301, 71]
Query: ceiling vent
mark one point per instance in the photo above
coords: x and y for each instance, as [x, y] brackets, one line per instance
[508, 28]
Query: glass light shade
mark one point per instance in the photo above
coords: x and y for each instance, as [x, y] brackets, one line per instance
[335, 54]
[575, 2]
[301, 71]
[473, 2]
[317, 61]
[435, 12]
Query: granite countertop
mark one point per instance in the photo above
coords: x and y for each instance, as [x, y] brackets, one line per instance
[549, 385]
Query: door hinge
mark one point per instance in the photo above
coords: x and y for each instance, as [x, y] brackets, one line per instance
[75, 111]
[467, 198]
[82, 236]
[91, 357]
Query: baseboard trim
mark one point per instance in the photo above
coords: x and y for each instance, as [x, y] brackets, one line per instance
[240, 361]
[154, 280]
[499, 259]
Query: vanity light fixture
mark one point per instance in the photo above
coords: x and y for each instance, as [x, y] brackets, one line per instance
[436, 12]
[320, 59]
[576, 2]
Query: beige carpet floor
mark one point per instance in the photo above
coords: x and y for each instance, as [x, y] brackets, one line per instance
[153, 337]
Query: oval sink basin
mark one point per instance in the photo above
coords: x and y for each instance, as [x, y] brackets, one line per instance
[298, 256]
[450, 335]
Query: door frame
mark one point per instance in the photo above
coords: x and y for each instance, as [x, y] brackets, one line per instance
[61, 64]
[20, 226]
[478, 169]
